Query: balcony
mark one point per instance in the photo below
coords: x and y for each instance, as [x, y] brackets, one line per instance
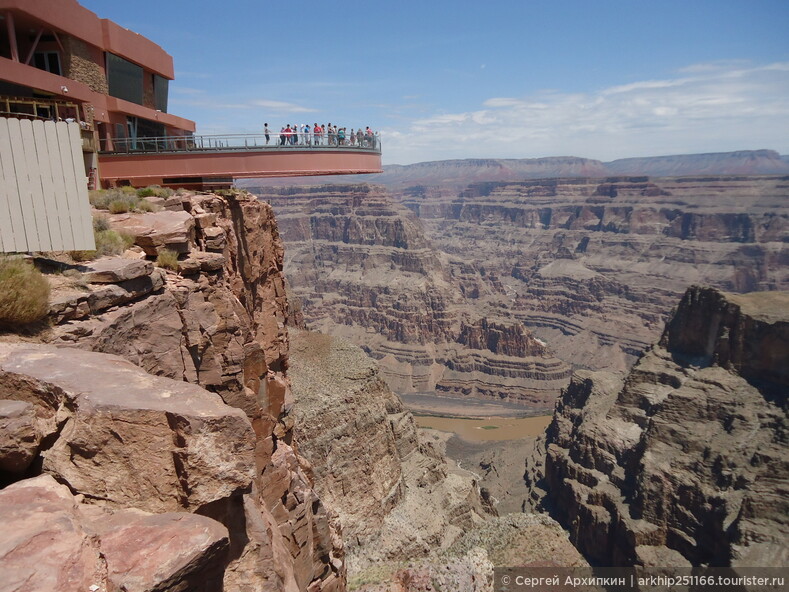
[187, 161]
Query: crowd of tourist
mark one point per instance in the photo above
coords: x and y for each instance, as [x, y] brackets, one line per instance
[322, 135]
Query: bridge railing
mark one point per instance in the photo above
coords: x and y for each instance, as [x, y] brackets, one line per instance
[238, 142]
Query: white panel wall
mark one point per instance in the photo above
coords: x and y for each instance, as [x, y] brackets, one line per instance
[43, 191]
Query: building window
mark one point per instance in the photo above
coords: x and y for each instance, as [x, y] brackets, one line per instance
[124, 79]
[160, 90]
[48, 61]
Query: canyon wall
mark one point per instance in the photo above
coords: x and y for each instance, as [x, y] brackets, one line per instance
[396, 495]
[495, 290]
[363, 270]
[593, 267]
[165, 406]
[683, 461]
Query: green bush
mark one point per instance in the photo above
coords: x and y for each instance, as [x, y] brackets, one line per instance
[100, 222]
[112, 242]
[167, 259]
[146, 206]
[118, 206]
[155, 191]
[24, 293]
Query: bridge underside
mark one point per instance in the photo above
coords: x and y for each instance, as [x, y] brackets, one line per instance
[219, 168]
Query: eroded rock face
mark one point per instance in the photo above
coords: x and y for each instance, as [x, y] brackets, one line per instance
[162, 443]
[397, 496]
[363, 269]
[53, 542]
[684, 460]
[131, 439]
[593, 267]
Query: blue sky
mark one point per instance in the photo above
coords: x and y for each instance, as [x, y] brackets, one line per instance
[444, 79]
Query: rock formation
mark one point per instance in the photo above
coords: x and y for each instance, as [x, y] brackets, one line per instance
[457, 174]
[363, 270]
[590, 267]
[411, 520]
[593, 267]
[200, 424]
[396, 496]
[684, 460]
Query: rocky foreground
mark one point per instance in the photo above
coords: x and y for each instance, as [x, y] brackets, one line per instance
[152, 438]
[683, 461]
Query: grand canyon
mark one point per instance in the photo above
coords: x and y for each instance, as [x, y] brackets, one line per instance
[249, 418]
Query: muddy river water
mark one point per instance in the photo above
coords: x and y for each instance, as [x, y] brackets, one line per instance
[488, 429]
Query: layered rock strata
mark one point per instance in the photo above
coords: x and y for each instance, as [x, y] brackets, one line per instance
[593, 266]
[684, 460]
[122, 438]
[396, 495]
[363, 270]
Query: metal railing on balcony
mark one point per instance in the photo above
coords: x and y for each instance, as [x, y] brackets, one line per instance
[239, 142]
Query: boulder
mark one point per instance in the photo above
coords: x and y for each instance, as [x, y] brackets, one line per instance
[131, 439]
[154, 231]
[113, 270]
[19, 436]
[53, 543]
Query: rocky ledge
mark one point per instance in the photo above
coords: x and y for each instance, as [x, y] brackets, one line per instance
[165, 391]
[683, 461]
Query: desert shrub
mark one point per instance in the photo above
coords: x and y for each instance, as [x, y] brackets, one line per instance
[155, 191]
[100, 222]
[119, 206]
[108, 242]
[80, 256]
[112, 242]
[117, 201]
[146, 206]
[24, 293]
[167, 259]
[99, 199]
[146, 192]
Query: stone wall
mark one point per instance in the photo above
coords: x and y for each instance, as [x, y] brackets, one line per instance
[84, 63]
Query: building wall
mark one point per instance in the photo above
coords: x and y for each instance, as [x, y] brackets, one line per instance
[84, 63]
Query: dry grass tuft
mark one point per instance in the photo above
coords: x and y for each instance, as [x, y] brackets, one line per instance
[167, 259]
[24, 293]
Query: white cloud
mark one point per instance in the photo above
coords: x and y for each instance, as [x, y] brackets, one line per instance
[281, 106]
[706, 108]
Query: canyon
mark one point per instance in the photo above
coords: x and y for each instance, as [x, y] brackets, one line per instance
[497, 290]
[682, 461]
[187, 413]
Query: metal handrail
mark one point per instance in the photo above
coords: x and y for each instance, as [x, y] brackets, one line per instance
[237, 142]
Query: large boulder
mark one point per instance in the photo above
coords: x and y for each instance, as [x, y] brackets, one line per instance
[53, 543]
[128, 438]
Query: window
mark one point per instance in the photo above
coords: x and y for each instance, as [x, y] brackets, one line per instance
[124, 79]
[48, 61]
[160, 89]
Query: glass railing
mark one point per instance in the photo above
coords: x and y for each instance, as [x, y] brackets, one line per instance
[234, 142]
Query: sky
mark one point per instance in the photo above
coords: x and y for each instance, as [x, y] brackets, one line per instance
[441, 79]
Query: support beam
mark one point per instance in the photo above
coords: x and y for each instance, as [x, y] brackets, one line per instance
[60, 43]
[9, 23]
[35, 45]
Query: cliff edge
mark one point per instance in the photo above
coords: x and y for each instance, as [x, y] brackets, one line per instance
[683, 461]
